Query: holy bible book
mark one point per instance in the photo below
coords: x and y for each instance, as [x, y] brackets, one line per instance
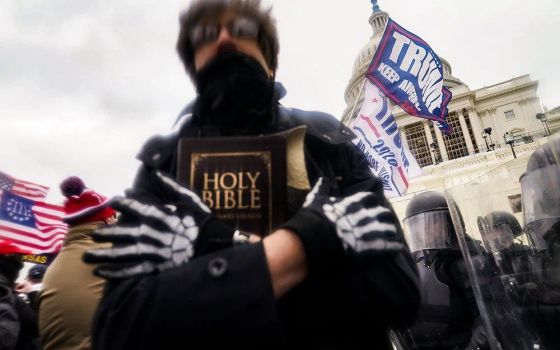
[241, 179]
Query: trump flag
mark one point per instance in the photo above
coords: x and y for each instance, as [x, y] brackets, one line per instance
[33, 225]
[410, 73]
[380, 142]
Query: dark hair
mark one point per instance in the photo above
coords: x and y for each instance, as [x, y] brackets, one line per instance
[202, 9]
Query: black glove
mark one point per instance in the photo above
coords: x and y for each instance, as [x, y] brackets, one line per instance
[154, 237]
[358, 223]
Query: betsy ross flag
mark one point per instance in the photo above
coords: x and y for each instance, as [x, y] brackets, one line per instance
[22, 188]
[32, 225]
[380, 142]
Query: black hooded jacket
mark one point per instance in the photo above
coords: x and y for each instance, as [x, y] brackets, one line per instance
[233, 306]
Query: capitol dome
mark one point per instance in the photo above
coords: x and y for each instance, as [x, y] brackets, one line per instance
[353, 94]
[448, 79]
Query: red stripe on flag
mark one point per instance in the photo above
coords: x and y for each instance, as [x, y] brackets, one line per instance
[46, 188]
[47, 224]
[21, 187]
[29, 190]
[27, 194]
[21, 238]
[55, 231]
[403, 177]
[49, 216]
[371, 126]
[31, 233]
[48, 231]
[50, 206]
[45, 211]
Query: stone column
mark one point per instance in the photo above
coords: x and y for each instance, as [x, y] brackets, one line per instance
[531, 121]
[524, 109]
[403, 138]
[477, 128]
[536, 108]
[466, 134]
[429, 138]
[483, 115]
[441, 144]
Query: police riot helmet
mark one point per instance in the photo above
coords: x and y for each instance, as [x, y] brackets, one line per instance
[499, 230]
[427, 223]
[540, 193]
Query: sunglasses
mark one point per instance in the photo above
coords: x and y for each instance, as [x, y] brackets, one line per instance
[241, 27]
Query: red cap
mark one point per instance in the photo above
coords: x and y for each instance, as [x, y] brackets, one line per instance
[83, 204]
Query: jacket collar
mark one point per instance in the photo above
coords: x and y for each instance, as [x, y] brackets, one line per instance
[319, 125]
[186, 112]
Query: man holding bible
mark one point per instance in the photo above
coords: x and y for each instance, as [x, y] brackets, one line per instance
[336, 274]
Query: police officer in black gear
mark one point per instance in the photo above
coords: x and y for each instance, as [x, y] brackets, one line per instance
[449, 317]
[503, 240]
[501, 228]
[540, 297]
[510, 264]
[540, 186]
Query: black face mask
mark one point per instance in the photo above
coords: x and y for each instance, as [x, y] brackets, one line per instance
[234, 94]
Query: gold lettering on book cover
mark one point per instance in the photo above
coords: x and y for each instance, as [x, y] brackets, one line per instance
[231, 190]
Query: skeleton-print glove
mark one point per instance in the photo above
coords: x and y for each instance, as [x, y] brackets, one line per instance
[358, 224]
[155, 237]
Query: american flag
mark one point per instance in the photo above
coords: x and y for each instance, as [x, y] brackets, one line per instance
[22, 188]
[33, 225]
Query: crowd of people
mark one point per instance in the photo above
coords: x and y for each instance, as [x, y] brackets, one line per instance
[339, 273]
[53, 307]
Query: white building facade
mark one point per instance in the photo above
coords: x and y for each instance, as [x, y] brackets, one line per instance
[481, 118]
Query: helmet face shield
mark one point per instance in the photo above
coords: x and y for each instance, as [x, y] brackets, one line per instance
[429, 230]
[498, 237]
[498, 230]
[510, 279]
[541, 232]
[541, 202]
[540, 194]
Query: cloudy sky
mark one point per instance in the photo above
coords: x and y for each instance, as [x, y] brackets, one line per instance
[84, 82]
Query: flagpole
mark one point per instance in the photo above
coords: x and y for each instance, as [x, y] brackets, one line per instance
[357, 99]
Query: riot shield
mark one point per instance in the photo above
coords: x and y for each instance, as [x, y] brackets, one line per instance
[510, 273]
[448, 318]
